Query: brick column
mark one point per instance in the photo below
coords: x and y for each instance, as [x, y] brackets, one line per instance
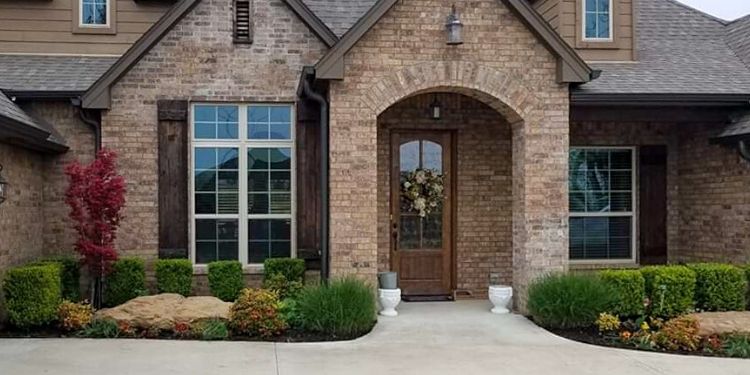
[540, 201]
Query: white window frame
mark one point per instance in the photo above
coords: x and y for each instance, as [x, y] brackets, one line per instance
[633, 213]
[242, 144]
[92, 25]
[611, 24]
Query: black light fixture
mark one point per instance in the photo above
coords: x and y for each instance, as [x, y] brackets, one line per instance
[3, 186]
[454, 26]
[436, 109]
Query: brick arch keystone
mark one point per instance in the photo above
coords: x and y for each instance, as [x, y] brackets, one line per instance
[506, 93]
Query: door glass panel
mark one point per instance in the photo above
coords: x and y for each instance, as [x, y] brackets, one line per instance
[417, 232]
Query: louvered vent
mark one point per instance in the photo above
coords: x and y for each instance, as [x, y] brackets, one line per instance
[243, 22]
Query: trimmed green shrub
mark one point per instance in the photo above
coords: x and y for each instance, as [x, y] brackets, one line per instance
[292, 269]
[719, 287]
[569, 300]
[630, 289]
[225, 279]
[126, 281]
[670, 289]
[344, 308]
[32, 294]
[70, 276]
[174, 276]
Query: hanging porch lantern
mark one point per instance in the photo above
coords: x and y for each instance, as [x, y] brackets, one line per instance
[436, 109]
[3, 186]
[454, 27]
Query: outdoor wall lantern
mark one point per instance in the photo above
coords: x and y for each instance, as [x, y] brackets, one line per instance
[3, 186]
[436, 109]
[454, 26]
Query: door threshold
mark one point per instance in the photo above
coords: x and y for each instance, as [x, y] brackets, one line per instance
[417, 298]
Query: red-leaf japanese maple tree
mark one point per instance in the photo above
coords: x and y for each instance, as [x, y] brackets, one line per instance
[96, 196]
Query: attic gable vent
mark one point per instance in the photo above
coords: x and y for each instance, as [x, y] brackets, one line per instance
[243, 22]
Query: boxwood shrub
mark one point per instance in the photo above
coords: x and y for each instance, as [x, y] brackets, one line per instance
[719, 287]
[671, 289]
[126, 281]
[32, 294]
[174, 276]
[630, 289]
[344, 308]
[70, 276]
[567, 301]
[292, 269]
[225, 279]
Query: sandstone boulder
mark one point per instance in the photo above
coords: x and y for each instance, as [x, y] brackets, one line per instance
[716, 323]
[164, 310]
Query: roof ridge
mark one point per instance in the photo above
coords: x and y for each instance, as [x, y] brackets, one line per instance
[700, 12]
[738, 20]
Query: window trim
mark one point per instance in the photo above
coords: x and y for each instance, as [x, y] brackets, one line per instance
[79, 27]
[242, 143]
[633, 213]
[611, 24]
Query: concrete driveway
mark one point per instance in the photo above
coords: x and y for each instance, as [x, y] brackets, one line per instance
[427, 338]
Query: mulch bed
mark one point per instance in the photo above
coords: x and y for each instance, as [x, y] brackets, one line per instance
[592, 336]
[288, 336]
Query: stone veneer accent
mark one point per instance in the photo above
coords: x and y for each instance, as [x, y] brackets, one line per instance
[484, 190]
[708, 199]
[502, 64]
[198, 61]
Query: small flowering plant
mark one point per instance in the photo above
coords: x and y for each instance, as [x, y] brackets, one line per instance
[423, 189]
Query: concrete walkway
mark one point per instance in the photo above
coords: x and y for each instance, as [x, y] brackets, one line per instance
[427, 338]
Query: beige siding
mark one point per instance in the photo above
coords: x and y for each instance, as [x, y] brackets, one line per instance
[550, 10]
[571, 30]
[47, 27]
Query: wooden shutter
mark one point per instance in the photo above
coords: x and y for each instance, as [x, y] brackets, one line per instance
[243, 21]
[173, 178]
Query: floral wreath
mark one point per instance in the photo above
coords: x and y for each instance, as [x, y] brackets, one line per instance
[423, 188]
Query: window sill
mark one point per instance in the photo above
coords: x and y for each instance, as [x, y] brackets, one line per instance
[248, 269]
[590, 266]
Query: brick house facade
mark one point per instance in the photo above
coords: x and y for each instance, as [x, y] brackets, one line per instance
[527, 132]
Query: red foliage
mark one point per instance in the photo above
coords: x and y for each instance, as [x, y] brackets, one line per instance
[96, 196]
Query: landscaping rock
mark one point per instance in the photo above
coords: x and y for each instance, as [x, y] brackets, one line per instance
[162, 311]
[716, 323]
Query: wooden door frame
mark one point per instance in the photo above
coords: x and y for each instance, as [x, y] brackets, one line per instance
[394, 200]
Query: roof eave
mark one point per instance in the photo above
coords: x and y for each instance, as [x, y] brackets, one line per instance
[18, 133]
[311, 20]
[659, 99]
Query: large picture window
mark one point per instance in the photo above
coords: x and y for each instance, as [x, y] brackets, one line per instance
[597, 20]
[602, 200]
[242, 182]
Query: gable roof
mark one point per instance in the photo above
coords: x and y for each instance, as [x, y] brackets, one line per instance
[98, 95]
[683, 55]
[571, 68]
[339, 15]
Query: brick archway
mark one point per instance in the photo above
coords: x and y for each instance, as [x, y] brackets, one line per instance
[505, 93]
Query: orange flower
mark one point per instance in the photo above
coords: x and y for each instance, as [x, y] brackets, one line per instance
[625, 335]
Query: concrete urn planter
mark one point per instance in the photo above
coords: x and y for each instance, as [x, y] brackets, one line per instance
[389, 299]
[500, 296]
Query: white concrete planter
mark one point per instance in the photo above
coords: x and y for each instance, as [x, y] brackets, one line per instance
[389, 299]
[500, 296]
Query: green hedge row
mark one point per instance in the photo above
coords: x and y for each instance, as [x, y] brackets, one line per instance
[70, 275]
[126, 281]
[669, 291]
[225, 279]
[174, 276]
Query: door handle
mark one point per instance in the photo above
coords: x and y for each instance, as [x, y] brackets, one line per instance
[394, 234]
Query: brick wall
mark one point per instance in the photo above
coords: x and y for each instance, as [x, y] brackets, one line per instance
[708, 199]
[198, 61]
[484, 196]
[501, 63]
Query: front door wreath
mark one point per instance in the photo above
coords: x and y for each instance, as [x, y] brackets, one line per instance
[423, 190]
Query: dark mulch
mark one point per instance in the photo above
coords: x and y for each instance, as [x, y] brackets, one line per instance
[288, 336]
[591, 336]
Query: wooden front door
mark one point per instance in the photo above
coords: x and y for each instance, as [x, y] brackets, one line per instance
[422, 240]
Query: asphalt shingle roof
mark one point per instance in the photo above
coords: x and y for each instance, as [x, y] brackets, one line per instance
[680, 51]
[51, 73]
[740, 127]
[12, 112]
[339, 15]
